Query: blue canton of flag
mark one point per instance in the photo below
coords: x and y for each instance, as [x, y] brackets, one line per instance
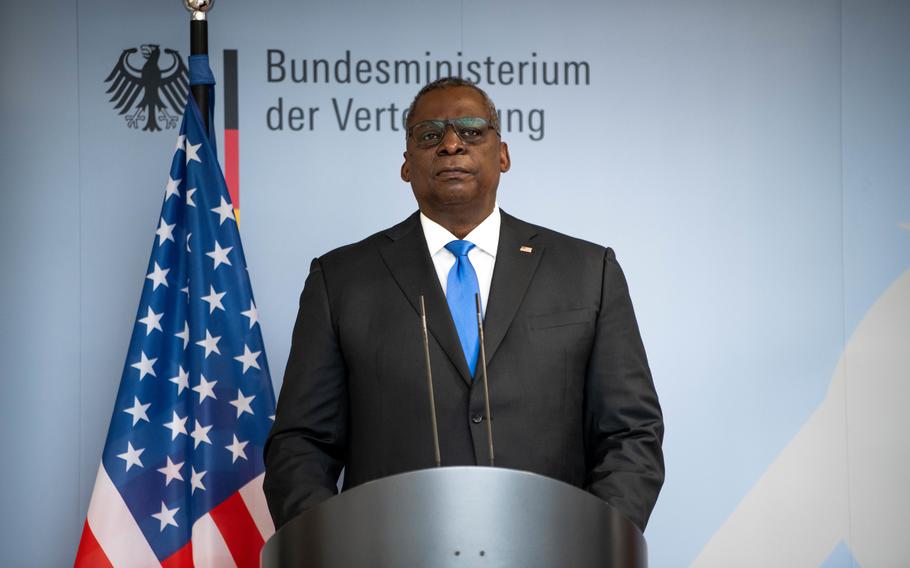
[184, 448]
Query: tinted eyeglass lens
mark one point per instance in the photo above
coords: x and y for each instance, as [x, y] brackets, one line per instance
[430, 132]
[471, 129]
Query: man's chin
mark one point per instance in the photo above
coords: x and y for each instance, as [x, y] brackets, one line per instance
[456, 195]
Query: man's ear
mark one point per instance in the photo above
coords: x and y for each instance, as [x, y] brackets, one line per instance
[405, 168]
[505, 162]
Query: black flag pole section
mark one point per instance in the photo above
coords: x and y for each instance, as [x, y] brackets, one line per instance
[199, 45]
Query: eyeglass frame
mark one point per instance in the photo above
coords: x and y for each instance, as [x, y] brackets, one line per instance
[451, 122]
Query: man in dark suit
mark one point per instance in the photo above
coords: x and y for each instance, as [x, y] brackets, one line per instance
[570, 390]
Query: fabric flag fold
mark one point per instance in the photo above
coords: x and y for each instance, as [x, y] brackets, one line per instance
[180, 481]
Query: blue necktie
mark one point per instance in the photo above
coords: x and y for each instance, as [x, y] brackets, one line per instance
[460, 289]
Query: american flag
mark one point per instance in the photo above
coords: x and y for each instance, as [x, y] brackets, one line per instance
[180, 482]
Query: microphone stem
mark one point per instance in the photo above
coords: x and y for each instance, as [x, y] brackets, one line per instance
[426, 353]
[486, 387]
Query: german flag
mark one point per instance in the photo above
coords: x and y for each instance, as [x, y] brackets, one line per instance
[231, 130]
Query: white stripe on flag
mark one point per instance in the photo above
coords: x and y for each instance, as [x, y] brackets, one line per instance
[114, 527]
[254, 498]
[209, 548]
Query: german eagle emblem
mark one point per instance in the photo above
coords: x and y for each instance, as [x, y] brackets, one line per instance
[154, 88]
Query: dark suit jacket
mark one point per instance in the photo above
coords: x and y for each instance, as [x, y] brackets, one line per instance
[570, 389]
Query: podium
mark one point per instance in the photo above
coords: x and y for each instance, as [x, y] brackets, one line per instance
[459, 517]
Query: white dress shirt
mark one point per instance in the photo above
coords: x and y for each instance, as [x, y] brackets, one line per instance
[485, 237]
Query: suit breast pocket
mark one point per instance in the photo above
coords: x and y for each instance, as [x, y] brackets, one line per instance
[566, 333]
[562, 319]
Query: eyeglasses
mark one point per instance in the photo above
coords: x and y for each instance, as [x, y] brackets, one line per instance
[470, 129]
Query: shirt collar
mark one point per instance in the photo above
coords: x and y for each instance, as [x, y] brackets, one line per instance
[485, 235]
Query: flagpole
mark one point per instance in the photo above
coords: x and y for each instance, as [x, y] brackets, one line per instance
[199, 45]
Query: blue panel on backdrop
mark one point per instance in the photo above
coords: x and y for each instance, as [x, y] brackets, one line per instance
[840, 557]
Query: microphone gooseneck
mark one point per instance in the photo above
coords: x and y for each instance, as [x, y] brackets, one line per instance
[426, 353]
[486, 387]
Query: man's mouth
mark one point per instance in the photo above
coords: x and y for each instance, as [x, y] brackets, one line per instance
[454, 172]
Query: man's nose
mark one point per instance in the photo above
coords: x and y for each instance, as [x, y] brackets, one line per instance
[451, 143]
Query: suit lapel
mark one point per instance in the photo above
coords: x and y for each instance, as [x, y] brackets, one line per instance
[511, 276]
[406, 256]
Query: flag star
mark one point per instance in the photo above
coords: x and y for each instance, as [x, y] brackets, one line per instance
[166, 516]
[145, 365]
[192, 152]
[243, 403]
[252, 313]
[152, 321]
[188, 235]
[200, 434]
[171, 188]
[138, 411]
[177, 426]
[189, 197]
[225, 211]
[165, 232]
[210, 343]
[196, 480]
[158, 276]
[220, 255]
[185, 334]
[182, 380]
[131, 456]
[171, 471]
[214, 299]
[186, 290]
[181, 139]
[272, 417]
[205, 388]
[248, 358]
[236, 448]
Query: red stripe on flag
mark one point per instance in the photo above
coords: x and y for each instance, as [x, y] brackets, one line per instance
[183, 558]
[239, 530]
[90, 554]
[232, 165]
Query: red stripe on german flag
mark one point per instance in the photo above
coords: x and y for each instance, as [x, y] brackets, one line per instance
[232, 166]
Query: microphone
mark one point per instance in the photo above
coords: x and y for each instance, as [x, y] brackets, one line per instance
[426, 353]
[486, 388]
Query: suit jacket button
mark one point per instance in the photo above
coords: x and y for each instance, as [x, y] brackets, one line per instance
[477, 418]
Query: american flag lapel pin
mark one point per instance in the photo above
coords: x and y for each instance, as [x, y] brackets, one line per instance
[525, 249]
